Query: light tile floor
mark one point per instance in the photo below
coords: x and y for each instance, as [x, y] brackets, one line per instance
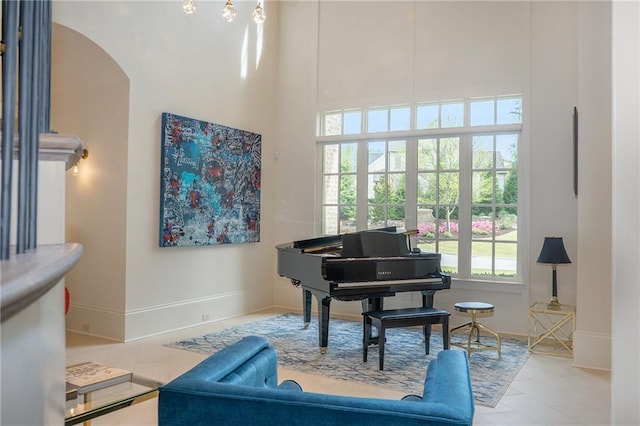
[547, 391]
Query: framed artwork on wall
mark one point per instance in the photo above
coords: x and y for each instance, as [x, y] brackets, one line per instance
[209, 183]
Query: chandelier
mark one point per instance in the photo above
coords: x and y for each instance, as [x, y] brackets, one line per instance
[229, 12]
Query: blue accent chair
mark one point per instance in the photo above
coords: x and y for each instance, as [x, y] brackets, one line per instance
[239, 386]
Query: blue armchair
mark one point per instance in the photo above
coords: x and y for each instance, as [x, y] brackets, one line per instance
[239, 386]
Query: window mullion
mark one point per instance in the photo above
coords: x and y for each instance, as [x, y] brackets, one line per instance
[319, 225]
[464, 204]
[411, 179]
[361, 185]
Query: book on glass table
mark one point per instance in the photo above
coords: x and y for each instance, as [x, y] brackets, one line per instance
[91, 376]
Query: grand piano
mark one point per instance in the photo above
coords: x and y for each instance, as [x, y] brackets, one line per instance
[366, 266]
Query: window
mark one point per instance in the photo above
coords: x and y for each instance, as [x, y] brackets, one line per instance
[386, 183]
[339, 188]
[449, 170]
[438, 198]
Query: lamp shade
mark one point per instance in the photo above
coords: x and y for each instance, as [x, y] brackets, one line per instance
[553, 251]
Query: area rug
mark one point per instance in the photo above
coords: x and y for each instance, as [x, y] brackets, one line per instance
[405, 363]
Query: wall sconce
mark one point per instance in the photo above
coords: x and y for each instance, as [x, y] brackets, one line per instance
[75, 170]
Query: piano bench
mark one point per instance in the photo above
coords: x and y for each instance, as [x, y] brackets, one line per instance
[406, 317]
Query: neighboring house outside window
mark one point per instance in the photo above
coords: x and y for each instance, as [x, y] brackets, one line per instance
[448, 170]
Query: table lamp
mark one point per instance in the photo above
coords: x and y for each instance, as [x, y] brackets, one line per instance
[553, 252]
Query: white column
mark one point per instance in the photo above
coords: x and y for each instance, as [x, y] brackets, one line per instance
[625, 379]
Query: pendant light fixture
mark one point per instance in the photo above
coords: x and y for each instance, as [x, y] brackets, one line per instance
[229, 12]
[189, 6]
[258, 14]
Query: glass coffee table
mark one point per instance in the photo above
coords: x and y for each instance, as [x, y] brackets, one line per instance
[81, 408]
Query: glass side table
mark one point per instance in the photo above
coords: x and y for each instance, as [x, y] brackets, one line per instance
[84, 407]
[551, 329]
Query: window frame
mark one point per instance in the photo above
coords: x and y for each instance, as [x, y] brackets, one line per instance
[465, 135]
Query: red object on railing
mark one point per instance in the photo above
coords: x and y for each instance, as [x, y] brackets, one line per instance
[66, 300]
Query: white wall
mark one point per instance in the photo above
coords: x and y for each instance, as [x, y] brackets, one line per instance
[314, 58]
[90, 98]
[592, 339]
[553, 94]
[193, 66]
[625, 379]
[29, 371]
[295, 181]
[50, 220]
[420, 51]
[430, 51]
[23, 361]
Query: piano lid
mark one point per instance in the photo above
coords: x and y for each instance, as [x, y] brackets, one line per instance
[382, 242]
[386, 242]
[318, 244]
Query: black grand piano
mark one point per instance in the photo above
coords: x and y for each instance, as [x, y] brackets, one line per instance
[367, 266]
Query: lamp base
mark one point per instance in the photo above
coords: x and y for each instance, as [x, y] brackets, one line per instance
[554, 304]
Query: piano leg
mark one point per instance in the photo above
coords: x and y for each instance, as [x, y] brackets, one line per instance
[427, 302]
[427, 298]
[323, 323]
[372, 304]
[323, 316]
[306, 307]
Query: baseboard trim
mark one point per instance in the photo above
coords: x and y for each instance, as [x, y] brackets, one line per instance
[155, 320]
[95, 321]
[592, 350]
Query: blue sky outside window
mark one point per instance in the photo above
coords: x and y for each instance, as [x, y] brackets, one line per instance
[352, 122]
[377, 121]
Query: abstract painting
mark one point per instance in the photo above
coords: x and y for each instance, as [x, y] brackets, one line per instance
[210, 183]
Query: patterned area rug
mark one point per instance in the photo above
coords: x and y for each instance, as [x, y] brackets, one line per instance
[405, 362]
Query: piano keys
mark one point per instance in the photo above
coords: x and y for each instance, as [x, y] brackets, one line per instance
[365, 266]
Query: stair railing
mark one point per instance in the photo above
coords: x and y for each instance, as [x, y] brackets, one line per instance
[26, 57]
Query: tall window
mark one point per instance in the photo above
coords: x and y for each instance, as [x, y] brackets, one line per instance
[448, 170]
[386, 183]
[339, 188]
[438, 198]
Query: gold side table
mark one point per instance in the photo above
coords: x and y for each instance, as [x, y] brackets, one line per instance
[551, 329]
